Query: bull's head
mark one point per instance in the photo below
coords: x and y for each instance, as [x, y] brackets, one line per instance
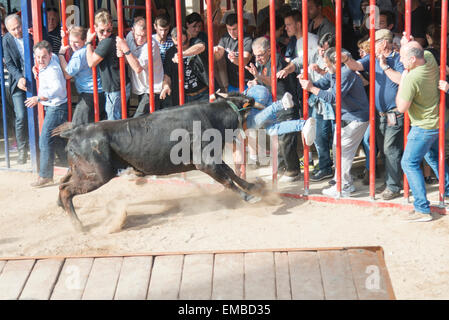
[243, 103]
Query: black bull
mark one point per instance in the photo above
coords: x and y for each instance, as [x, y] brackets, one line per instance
[98, 151]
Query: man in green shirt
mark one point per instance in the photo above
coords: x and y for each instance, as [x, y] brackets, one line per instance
[418, 95]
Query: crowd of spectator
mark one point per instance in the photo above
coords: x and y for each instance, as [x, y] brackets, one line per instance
[407, 75]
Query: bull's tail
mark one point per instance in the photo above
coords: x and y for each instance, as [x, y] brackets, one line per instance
[64, 130]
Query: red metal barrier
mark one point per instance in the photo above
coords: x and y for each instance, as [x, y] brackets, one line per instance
[65, 42]
[210, 47]
[180, 57]
[202, 8]
[150, 55]
[408, 30]
[241, 58]
[274, 140]
[305, 66]
[338, 37]
[255, 9]
[94, 70]
[441, 155]
[372, 101]
[120, 21]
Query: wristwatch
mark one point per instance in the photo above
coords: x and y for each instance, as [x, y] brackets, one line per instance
[386, 68]
[127, 52]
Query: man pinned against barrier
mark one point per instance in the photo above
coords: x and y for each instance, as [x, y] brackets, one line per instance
[105, 57]
[389, 121]
[418, 95]
[354, 115]
[288, 154]
[14, 58]
[136, 47]
[52, 94]
[196, 82]
[78, 68]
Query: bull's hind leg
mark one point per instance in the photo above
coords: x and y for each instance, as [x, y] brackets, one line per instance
[218, 173]
[63, 181]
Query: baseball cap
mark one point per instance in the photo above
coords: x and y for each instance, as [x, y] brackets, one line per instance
[384, 34]
[260, 94]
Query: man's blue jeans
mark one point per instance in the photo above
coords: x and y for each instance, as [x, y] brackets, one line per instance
[267, 118]
[323, 142]
[48, 145]
[421, 143]
[18, 99]
[114, 103]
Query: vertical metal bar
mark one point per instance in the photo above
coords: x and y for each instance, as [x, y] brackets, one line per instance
[274, 139]
[94, 70]
[210, 47]
[338, 20]
[372, 101]
[65, 42]
[241, 70]
[305, 66]
[36, 6]
[202, 7]
[121, 34]
[255, 9]
[5, 122]
[32, 113]
[441, 163]
[180, 56]
[150, 55]
[408, 28]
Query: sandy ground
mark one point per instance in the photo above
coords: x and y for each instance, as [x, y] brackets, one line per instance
[168, 217]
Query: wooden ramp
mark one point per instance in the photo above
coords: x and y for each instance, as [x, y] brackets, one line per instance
[334, 273]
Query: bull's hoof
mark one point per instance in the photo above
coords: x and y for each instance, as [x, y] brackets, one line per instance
[252, 199]
[59, 203]
[79, 226]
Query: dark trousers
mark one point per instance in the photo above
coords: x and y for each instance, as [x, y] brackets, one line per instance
[390, 140]
[287, 153]
[85, 109]
[21, 124]
[144, 104]
[323, 142]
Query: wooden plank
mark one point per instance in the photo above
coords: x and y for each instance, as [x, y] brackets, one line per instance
[13, 278]
[196, 283]
[305, 276]
[103, 279]
[134, 278]
[260, 283]
[368, 276]
[283, 290]
[72, 279]
[42, 279]
[336, 272]
[165, 277]
[227, 283]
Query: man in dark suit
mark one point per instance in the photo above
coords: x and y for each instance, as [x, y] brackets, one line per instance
[14, 60]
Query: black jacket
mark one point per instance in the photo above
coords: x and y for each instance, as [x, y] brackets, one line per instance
[14, 64]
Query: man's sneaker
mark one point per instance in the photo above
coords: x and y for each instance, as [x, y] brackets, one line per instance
[41, 182]
[414, 216]
[321, 175]
[345, 192]
[290, 177]
[381, 188]
[309, 131]
[287, 101]
[389, 195]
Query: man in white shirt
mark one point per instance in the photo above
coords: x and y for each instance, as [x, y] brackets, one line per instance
[52, 94]
[135, 49]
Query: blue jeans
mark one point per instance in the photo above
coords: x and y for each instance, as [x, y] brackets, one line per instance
[18, 99]
[267, 118]
[323, 142]
[421, 143]
[48, 145]
[114, 103]
[365, 146]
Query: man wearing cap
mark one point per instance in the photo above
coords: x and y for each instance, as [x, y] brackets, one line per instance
[389, 121]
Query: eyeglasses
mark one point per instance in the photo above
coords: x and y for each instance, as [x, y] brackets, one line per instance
[101, 31]
[260, 55]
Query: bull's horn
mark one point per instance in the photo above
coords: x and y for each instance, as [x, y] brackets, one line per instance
[221, 94]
